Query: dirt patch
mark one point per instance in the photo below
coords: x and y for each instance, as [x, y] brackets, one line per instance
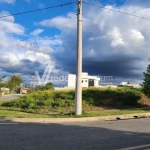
[145, 101]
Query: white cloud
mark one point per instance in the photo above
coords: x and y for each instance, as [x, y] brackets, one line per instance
[107, 36]
[17, 53]
[11, 60]
[37, 32]
[8, 29]
[8, 18]
[117, 42]
[7, 1]
[61, 22]
[136, 35]
[116, 37]
[46, 41]
[8, 25]
[9, 42]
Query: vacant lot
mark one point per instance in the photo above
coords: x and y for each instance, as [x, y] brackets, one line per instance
[96, 101]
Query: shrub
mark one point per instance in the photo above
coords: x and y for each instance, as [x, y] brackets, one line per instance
[93, 96]
[111, 97]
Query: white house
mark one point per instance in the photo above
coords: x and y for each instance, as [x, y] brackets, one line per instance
[131, 84]
[87, 81]
[123, 83]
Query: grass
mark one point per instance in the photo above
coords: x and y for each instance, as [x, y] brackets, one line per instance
[115, 112]
[10, 113]
[97, 97]
[96, 102]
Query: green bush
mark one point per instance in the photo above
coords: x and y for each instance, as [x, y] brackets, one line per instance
[65, 95]
[111, 96]
[91, 96]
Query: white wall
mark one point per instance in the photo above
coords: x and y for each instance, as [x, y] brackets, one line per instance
[85, 80]
[71, 80]
[124, 83]
[96, 82]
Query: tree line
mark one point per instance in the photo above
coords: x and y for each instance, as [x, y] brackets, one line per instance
[13, 83]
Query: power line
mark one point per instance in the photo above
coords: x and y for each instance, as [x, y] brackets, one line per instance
[30, 11]
[116, 11]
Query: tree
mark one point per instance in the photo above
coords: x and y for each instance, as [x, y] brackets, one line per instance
[146, 83]
[48, 86]
[14, 82]
[2, 83]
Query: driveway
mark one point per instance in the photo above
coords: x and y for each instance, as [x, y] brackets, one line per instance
[11, 97]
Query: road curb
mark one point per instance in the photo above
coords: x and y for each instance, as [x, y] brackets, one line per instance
[85, 119]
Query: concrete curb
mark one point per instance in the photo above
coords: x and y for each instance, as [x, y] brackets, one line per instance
[85, 119]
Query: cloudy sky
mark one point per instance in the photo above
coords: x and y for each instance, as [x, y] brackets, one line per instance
[114, 44]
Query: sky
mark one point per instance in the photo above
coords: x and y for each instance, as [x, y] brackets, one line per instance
[114, 44]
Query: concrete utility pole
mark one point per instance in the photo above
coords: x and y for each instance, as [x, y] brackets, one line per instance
[78, 95]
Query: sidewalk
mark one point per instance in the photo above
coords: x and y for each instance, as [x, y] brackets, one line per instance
[61, 120]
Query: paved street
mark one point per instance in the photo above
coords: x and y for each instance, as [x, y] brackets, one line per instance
[10, 97]
[100, 135]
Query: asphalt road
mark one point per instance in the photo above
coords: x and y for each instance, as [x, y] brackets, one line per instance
[100, 135]
[10, 97]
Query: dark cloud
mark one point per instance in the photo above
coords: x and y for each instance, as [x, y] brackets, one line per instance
[117, 66]
[25, 66]
[105, 61]
[121, 66]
